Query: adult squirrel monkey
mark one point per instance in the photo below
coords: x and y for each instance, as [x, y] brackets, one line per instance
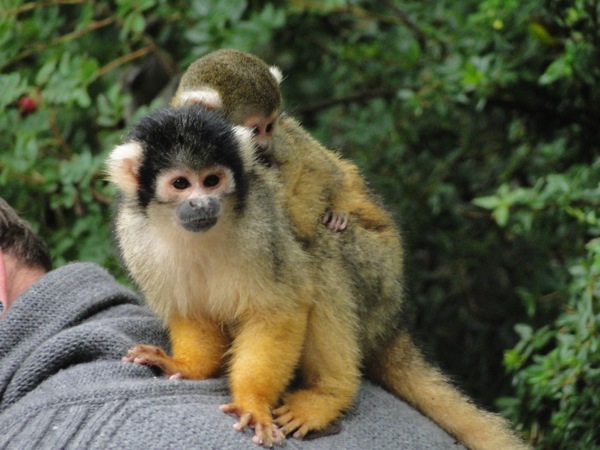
[200, 231]
[202, 227]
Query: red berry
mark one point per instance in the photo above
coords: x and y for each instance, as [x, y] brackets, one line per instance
[27, 104]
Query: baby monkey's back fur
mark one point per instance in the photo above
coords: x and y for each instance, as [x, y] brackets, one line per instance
[360, 300]
[245, 295]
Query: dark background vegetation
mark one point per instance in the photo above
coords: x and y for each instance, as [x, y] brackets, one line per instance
[477, 121]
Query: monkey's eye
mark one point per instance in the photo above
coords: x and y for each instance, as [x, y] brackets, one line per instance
[255, 130]
[181, 183]
[211, 180]
[269, 128]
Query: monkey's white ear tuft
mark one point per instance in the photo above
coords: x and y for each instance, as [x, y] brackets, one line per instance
[205, 96]
[276, 72]
[245, 139]
[122, 166]
[244, 134]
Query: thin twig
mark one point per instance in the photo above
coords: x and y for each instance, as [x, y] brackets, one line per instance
[352, 98]
[67, 37]
[125, 59]
[34, 5]
[420, 35]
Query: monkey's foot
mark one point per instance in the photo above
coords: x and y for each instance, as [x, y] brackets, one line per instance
[151, 355]
[266, 433]
[308, 414]
[336, 220]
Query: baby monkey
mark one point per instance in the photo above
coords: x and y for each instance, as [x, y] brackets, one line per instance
[238, 84]
[320, 186]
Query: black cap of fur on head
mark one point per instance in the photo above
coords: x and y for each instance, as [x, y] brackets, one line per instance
[192, 137]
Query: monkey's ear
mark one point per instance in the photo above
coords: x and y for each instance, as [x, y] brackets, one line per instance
[205, 96]
[276, 72]
[122, 166]
[245, 139]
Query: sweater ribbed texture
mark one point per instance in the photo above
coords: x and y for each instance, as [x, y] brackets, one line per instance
[63, 385]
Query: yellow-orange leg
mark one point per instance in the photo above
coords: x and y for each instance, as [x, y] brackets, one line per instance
[330, 369]
[197, 346]
[264, 354]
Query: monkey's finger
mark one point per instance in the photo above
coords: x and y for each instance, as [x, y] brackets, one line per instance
[231, 408]
[344, 224]
[245, 417]
[341, 222]
[130, 354]
[291, 425]
[335, 224]
[301, 432]
[137, 360]
[283, 420]
[281, 410]
[336, 221]
[245, 420]
[258, 440]
[267, 435]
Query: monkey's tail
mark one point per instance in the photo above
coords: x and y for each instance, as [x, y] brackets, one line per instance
[402, 369]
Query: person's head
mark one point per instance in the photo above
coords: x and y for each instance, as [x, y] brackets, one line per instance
[24, 256]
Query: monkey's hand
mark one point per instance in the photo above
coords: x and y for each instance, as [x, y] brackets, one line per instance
[150, 355]
[266, 433]
[308, 415]
[336, 220]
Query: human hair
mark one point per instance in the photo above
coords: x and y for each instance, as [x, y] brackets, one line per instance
[18, 238]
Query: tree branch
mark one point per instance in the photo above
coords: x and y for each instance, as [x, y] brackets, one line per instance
[352, 98]
[34, 5]
[67, 37]
[125, 59]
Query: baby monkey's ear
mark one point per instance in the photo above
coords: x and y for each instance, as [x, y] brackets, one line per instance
[276, 72]
[205, 96]
[122, 166]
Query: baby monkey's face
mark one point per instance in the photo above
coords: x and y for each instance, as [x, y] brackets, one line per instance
[262, 128]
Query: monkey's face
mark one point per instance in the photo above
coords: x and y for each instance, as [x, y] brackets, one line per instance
[262, 128]
[183, 167]
[197, 196]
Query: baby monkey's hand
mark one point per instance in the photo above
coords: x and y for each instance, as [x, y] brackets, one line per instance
[336, 220]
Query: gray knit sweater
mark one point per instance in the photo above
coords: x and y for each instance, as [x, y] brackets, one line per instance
[63, 385]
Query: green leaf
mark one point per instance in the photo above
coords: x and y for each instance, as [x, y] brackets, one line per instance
[560, 68]
[12, 86]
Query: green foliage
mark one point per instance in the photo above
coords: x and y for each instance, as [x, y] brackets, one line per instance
[557, 366]
[477, 121]
[555, 202]
[68, 60]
